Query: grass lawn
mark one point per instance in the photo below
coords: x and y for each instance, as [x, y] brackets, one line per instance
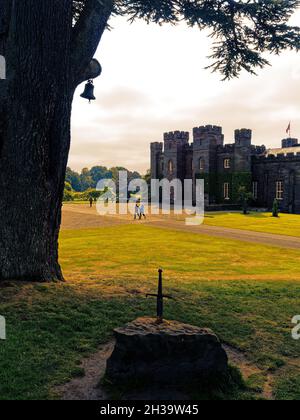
[247, 293]
[285, 224]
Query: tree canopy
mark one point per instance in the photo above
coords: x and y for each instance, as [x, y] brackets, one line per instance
[242, 30]
[90, 177]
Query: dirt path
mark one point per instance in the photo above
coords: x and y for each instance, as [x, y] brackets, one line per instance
[88, 388]
[81, 216]
[280, 241]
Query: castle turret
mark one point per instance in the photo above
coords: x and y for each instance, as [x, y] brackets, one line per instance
[242, 150]
[289, 143]
[206, 140]
[208, 135]
[156, 160]
[175, 145]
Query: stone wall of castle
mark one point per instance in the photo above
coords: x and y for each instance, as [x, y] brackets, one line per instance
[226, 167]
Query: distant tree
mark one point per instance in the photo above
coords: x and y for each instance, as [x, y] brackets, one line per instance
[68, 192]
[99, 172]
[115, 172]
[245, 198]
[49, 47]
[147, 177]
[73, 178]
[130, 177]
[68, 186]
[275, 209]
[86, 181]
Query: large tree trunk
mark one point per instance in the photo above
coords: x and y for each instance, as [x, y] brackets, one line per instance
[46, 59]
[35, 138]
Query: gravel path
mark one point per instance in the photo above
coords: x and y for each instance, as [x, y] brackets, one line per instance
[80, 216]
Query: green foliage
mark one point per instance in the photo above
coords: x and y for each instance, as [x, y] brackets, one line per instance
[240, 180]
[68, 186]
[86, 181]
[87, 195]
[68, 192]
[214, 185]
[73, 178]
[89, 178]
[244, 197]
[241, 30]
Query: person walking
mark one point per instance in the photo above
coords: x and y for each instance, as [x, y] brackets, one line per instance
[142, 212]
[137, 210]
[91, 202]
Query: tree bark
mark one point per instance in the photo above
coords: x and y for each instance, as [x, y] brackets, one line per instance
[35, 105]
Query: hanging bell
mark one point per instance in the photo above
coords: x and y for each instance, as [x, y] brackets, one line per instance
[89, 91]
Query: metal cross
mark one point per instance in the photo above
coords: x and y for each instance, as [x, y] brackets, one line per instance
[160, 298]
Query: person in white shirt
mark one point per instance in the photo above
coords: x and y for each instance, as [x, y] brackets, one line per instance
[142, 211]
[137, 213]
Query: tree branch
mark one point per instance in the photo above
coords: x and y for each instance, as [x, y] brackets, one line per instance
[93, 70]
[87, 34]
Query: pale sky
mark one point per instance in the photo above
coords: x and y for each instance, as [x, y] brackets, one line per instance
[154, 81]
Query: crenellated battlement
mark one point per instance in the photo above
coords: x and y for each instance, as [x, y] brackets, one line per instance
[258, 150]
[157, 146]
[227, 148]
[225, 167]
[289, 142]
[243, 137]
[207, 130]
[278, 158]
[181, 136]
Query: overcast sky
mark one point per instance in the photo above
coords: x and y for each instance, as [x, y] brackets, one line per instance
[154, 81]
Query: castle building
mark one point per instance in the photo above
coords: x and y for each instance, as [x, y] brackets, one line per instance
[267, 173]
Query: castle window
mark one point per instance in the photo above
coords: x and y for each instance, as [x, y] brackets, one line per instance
[255, 190]
[279, 190]
[201, 164]
[227, 163]
[226, 191]
[171, 166]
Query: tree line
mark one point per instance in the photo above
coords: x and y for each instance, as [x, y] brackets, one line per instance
[82, 186]
[88, 178]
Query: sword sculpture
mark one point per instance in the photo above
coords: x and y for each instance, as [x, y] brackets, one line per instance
[160, 299]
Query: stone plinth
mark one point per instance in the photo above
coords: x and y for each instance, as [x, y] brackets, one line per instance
[171, 353]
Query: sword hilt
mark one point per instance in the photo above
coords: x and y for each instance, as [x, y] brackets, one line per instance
[160, 298]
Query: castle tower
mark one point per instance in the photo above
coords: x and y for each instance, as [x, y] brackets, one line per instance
[289, 143]
[242, 150]
[207, 139]
[175, 145]
[156, 160]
